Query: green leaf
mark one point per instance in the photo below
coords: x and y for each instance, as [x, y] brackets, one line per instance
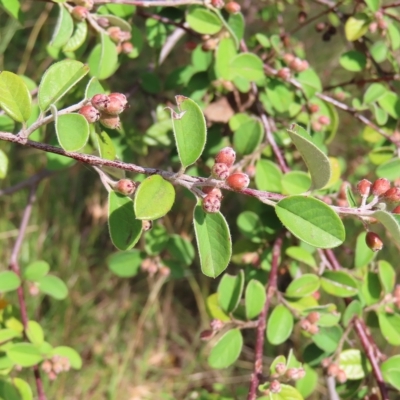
[356, 26]
[190, 130]
[250, 225]
[391, 371]
[391, 104]
[389, 170]
[364, 255]
[9, 281]
[301, 255]
[390, 327]
[15, 98]
[353, 363]
[13, 8]
[237, 24]
[64, 28]
[373, 5]
[103, 60]
[78, 37]
[374, 92]
[36, 270]
[311, 220]
[125, 264]
[8, 334]
[307, 385]
[230, 291]
[279, 325]
[34, 333]
[303, 286]
[295, 182]
[73, 356]
[254, 298]
[390, 222]
[72, 131]
[353, 61]
[327, 339]
[247, 66]
[394, 35]
[154, 198]
[248, 137]
[53, 286]
[125, 229]
[227, 350]
[354, 309]
[213, 241]
[225, 52]
[371, 288]
[58, 80]
[214, 309]
[23, 388]
[317, 162]
[117, 21]
[106, 146]
[24, 354]
[379, 51]
[387, 276]
[339, 283]
[287, 392]
[280, 96]
[203, 21]
[93, 87]
[121, 10]
[268, 176]
[181, 249]
[3, 164]
[310, 82]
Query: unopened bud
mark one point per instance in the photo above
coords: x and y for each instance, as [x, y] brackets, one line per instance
[226, 156]
[380, 186]
[207, 334]
[332, 369]
[110, 121]
[280, 368]
[284, 73]
[220, 171]
[115, 33]
[90, 113]
[313, 329]
[392, 195]
[79, 13]
[341, 376]
[288, 58]
[146, 225]
[100, 101]
[314, 108]
[238, 181]
[364, 187]
[210, 190]
[373, 241]
[211, 204]
[324, 120]
[103, 22]
[275, 386]
[127, 47]
[232, 7]
[313, 317]
[125, 186]
[216, 324]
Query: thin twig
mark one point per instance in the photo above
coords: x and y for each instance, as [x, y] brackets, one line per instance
[14, 266]
[260, 334]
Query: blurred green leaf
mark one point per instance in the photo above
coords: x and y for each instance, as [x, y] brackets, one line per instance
[279, 325]
[227, 350]
[230, 291]
[53, 286]
[9, 281]
[254, 298]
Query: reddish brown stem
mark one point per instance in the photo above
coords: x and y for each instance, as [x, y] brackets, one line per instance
[260, 334]
[14, 266]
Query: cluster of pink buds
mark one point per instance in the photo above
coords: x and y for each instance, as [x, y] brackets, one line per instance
[333, 369]
[55, 366]
[153, 265]
[106, 109]
[81, 9]
[294, 63]
[309, 324]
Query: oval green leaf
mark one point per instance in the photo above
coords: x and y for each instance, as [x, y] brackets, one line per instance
[391, 371]
[311, 220]
[58, 80]
[364, 255]
[230, 291]
[247, 66]
[254, 298]
[72, 131]
[203, 21]
[374, 92]
[213, 241]
[189, 126]
[63, 29]
[389, 325]
[24, 354]
[34, 333]
[317, 162]
[301, 255]
[353, 363]
[36, 270]
[15, 98]
[248, 137]
[303, 286]
[279, 325]
[125, 230]
[387, 276]
[389, 170]
[9, 281]
[154, 198]
[356, 27]
[53, 286]
[353, 61]
[106, 146]
[268, 176]
[328, 338]
[295, 182]
[227, 350]
[125, 264]
[78, 37]
[339, 283]
[391, 222]
[103, 60]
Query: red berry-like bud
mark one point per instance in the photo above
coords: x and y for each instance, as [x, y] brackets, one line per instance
[217, 3]
[125, 186]
[275, 386]
[213, 191]
[364, 187]
[373, 241]
[85, 3]
[190, 46]
[313, 317]
[341, 376]
[232, 7]
[115, 106]
[33, 289]
[288, 58]
[127, 47]
[209, 45]
[211, 204]
[380, 186]
[373, 27]
[301, 17]
[324, 120]
[301, 373]
[304, 65]
[146, 225]
[325, 362]
[238, 181]
[396, 210]
[120, 96]
[115, 33]
[90, 113]
[216, 324]
[316, 126]
[332, 370]
[292, 373]
[251, 171]
[314, 108]
[80, 13]
[124, 36]
[284, 73]
[220, 171]
[392, 195]
[280, 368]
[313, 329]
[226, 156]
[320, 26]
[100, 101]
[296, 64]
[305, 324]
[110, 121]
[207, 334]
[103, 22]
[47, 366]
